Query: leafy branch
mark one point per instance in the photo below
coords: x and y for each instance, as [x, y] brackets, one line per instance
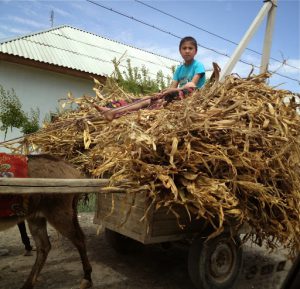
[13, 116]
[138, 81]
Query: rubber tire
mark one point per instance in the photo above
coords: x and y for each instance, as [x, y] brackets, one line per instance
[122, 244]
[199, 262]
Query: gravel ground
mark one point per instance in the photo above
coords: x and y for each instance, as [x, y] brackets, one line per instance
[150, 268]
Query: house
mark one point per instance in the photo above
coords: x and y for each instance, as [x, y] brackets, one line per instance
[43, 67]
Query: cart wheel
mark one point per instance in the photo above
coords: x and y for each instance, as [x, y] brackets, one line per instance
[215, 264]
[122, 244]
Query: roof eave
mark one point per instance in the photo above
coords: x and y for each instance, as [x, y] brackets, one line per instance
[31, 34]
[49, 67]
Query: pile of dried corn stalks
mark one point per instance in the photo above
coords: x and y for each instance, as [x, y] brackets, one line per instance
[229, 153]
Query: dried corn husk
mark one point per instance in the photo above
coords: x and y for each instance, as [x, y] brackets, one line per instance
[229, 153]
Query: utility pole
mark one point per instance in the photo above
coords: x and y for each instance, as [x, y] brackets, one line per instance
[268, 38]
[269, 8]
[52, 17]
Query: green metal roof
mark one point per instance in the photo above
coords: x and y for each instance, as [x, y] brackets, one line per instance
[73, 48]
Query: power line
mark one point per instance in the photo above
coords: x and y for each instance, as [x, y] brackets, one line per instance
[112, 50]
[176, 36]
[211, 33]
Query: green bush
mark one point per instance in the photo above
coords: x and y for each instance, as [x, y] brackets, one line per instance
[87, 204]
[13, 116]
[138, 81]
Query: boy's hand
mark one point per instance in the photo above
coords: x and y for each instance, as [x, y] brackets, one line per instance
[169, 90]
[157, 96]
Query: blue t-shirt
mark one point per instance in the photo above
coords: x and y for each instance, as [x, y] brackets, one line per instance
[185, 73]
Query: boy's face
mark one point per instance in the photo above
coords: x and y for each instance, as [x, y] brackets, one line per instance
[188, 51]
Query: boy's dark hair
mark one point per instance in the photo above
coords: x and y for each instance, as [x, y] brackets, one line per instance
[188, 39]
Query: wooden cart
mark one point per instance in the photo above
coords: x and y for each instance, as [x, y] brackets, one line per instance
[127, 218]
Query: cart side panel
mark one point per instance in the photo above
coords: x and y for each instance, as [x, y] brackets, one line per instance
[123, 213]
[126, 214]
[174, 223]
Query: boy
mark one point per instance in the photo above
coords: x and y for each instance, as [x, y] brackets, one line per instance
[187, 77]
[192, 72]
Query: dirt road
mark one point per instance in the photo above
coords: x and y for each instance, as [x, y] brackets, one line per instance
[151, 268]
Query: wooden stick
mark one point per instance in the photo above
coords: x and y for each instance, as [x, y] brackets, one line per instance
[57, 186]
[48, 182]
[22, 190]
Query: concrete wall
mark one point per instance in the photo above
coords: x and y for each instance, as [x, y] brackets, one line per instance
[39, 88]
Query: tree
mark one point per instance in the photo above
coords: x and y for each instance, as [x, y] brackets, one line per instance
[13, 116]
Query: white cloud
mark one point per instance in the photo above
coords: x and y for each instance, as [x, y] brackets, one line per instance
[290, 67]
[228, 7]
[124, 36]
[26, 21]
[163, 51]
[3, 35]
[78, 6]
[286, 80]
[60, 11]
[18, 31]
[13, 30]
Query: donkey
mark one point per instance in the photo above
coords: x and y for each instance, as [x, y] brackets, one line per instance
[59, 210]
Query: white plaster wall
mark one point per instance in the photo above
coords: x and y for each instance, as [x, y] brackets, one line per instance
[39, 88]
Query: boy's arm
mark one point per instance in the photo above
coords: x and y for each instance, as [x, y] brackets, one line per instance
[197, 77]
[174, 84]
[171, 88]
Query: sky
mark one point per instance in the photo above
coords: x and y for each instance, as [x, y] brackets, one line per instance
[158, 26]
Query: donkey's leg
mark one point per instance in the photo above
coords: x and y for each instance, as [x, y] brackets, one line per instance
[67, 224]
[25, 238]
[39, 233]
